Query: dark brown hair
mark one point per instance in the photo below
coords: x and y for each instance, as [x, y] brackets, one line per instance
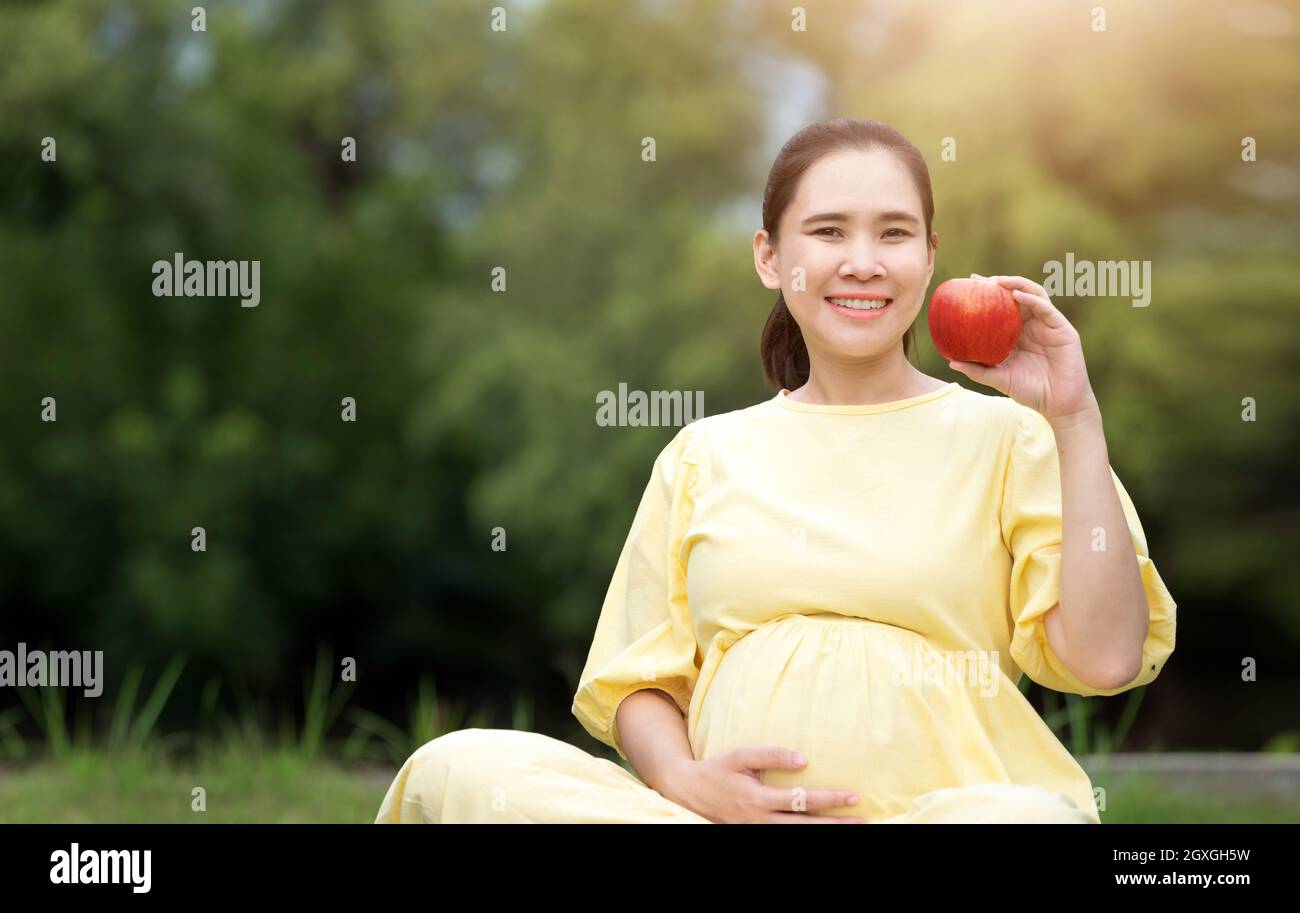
[782, 349]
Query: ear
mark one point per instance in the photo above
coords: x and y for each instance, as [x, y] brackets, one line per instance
[766, 262]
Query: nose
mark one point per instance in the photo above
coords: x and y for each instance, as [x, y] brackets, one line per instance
[861, 260]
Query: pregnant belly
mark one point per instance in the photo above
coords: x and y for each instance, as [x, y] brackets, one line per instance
[867, 703]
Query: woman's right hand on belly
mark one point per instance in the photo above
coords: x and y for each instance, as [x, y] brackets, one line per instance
[726, 789]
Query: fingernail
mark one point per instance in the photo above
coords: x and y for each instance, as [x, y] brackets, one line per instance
[799, 758]
[853, 800]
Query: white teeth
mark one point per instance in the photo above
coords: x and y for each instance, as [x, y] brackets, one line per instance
[859, 304]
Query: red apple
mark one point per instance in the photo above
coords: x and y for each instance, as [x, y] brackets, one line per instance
[974, 320]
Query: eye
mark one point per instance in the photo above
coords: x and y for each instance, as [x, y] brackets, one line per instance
[902, 232]
[820, 230]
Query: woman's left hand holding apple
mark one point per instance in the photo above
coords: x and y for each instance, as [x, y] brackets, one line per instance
[1045, 371]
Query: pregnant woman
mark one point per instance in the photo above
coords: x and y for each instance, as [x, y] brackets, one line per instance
[826, 600]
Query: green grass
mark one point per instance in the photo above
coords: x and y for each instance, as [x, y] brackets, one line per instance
[274, 788]
[120, 728]
[1146, 799]
[107, 761]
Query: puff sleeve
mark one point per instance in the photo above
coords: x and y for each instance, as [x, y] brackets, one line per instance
[1031, 531]
[644, 636]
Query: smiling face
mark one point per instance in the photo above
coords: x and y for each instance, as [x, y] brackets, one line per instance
[856, 227]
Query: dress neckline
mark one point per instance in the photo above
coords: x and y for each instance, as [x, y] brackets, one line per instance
[782, 399]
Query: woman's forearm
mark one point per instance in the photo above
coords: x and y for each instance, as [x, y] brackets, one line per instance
[652, 731]
[1103, 609]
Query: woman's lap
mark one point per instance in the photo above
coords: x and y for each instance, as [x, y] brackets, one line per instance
[992, 803]
[514, 776]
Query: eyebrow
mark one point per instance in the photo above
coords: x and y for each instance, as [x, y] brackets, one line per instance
[892, 215]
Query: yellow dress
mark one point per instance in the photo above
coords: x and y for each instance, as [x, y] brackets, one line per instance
[862, 583]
